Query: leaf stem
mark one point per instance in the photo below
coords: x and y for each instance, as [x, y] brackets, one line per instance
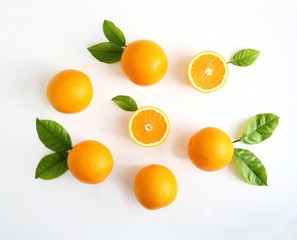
[235, 141]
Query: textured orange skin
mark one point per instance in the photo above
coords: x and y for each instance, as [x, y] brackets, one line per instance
[210, 149]
[144, 62]
[155, 187]
[90, 162]
[70, 91]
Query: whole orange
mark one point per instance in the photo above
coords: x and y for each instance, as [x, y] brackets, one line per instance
[155, 187]
[70, 91]
[210, 149]
[90, 161]
[144, 62]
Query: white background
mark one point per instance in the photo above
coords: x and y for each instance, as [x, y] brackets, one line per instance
[41, 38]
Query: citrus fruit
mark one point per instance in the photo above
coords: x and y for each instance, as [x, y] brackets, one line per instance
[144, 62]
[155, 186]
[90, 161]
[149, 126]
[70, 91]
[210, 149]
[208, 71]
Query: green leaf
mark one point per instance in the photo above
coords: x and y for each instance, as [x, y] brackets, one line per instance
[245, 57]
[125, 102]
[259, 128]
[113, 33]
[53, 135]
[52, 166]
[251, 168]
[106, 52]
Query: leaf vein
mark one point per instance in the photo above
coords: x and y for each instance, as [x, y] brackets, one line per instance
[250, 133]
[51, 167]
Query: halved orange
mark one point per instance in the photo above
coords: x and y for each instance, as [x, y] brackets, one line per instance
[149, 126]
[208, 71]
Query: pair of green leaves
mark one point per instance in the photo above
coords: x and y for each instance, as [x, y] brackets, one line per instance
[245, 57]
[109, 52]
[57, 139]
[257, 129]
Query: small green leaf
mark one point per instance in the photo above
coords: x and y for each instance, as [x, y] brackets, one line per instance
[106, 52]
[52, 166]
[125, 102]
[53, 135]
[251, 168]
[113, 33]
[245, 57]
[259, 128]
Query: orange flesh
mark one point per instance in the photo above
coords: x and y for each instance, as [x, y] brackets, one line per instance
[149, 126]
[208, 71]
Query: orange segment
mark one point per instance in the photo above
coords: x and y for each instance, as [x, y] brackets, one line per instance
[149, 126]
[208, 71]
